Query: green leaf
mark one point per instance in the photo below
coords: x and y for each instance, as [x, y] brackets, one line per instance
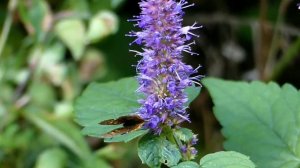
[72, 33]
[192, 93]
[101, 102]
[105, 101]
[154, 150]
[98, 130]
[187, 164]
[52, 158]
[184, 134]
[228, 159]
[170, 154]
[101, 25]
[259, 120]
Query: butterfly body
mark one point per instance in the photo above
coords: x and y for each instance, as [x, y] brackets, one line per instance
[130, 123]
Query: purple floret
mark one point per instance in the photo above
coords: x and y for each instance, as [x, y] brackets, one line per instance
[161, 73]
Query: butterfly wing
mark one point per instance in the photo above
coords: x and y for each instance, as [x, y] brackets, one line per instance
[126, 120]
[130, 123]
[122, 131]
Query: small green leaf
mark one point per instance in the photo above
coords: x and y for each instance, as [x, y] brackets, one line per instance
[149, 150]
[52, 158]
[154, 151]
[228, 159]
[259, 120]
[101, 25]
[170, 154]
[187, 164]
[72, 33]
[184, 134]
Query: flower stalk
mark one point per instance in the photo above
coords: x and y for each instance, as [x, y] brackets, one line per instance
[162, 75]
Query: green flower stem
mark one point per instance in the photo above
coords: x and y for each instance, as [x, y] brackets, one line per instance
[169, 132]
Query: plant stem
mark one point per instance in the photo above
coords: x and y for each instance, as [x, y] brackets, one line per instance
[7, 24]
[288, 57]
[5, 32]
[263, 42]
[268, 68]
[170, 136]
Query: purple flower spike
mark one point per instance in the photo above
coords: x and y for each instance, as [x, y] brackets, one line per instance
[161, 73]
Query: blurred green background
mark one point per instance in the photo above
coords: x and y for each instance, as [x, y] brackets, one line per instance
[51, 49]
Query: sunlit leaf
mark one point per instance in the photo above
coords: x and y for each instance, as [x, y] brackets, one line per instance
[72, 33]
[101, 25]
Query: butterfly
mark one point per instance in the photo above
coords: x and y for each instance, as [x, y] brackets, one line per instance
[130, 123]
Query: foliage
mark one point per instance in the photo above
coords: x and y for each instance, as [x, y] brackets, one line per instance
[269, 129]
[92, 108]
[46, 58]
